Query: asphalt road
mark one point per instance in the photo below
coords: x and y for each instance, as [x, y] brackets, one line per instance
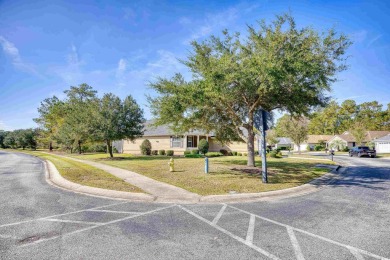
[348, 219]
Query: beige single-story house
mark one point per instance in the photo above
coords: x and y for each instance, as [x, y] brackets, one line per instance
[382, 144]
[312, 141]
[349, 140]
[163, 138]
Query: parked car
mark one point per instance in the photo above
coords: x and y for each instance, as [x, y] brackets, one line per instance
[362, 151]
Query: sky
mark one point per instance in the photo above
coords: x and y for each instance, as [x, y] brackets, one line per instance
[121, 46]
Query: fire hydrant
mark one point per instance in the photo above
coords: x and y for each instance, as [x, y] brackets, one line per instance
[171, 165]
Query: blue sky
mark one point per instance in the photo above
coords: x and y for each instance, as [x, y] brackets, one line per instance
[48, 46]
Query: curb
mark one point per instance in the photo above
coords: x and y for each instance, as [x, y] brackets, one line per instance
[53, 177]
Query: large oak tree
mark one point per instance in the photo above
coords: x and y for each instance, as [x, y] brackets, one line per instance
[274, 66]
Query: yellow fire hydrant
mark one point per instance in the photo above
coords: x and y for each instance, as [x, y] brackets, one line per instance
[171, 165]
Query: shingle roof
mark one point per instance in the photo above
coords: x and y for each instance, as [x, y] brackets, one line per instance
[283, 140]
[383, 139]
[315, 139]
[164, 130]
[370, 136]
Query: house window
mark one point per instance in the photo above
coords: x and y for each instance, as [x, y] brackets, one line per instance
[176, 142]
[353, 144]
[192, 141]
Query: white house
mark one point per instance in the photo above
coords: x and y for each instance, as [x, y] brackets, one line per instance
[382, 145]
[349, 140]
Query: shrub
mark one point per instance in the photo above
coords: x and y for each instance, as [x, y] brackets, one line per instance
[345, 149]
[213, 154]
[146, 147]
[193, 155]
[187, 153]
[169, 152]
[230, 153]
[275, 154]
[154, 152]
[223, 151]
[203, 146]
[161, 152]
[194, 152]
[244, 154]
[308, 148]
[234, 153]
[239, 154]
[318, 148]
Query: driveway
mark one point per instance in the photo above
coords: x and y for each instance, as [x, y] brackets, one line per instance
[348, 219]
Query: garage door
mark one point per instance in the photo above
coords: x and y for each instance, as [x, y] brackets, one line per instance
[382, 147]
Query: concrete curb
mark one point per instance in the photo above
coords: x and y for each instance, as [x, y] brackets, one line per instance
[54, 177]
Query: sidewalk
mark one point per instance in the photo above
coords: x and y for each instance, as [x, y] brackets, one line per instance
[166, 193]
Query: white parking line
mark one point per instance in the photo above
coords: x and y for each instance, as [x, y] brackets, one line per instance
[113, 211]
[96, 226]
[251, 229]
[70, 221]
[258, 249]
[361, 251]
[78, 211]
[356, 254]
[219, 215]
[294, 242]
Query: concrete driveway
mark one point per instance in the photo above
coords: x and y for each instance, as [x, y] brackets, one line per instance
[349, 219]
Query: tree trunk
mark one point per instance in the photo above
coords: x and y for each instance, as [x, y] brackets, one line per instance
[299, 149]
[251, 147]
[79, 143]
[109, 146]
[50, 146]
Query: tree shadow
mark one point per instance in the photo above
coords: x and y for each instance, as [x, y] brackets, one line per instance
[368, 177]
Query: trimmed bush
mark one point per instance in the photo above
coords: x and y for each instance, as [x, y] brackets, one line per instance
[239, 154]
[194, 152]
[146, 147]
[193, 156]
[161, 152]
[213, 154]
[203, 146]
[230, 153]
[187, 153]
[346, 149]
[223, 151]
[234, 153]
[244, 154]
[275, 154]
[169, 152]
[154, 152]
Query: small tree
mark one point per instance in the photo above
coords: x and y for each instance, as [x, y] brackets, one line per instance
[338, 145]
[203, 146]
[271, 138]
[146, 147]
[294, 128]
[359, 132]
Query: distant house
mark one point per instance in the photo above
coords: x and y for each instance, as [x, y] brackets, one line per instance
[284, 143]
[312, 141]
[382, 144]
[350, 141]
[163, 138]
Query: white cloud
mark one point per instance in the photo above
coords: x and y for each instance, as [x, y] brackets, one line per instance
[359, 36]
[10, 49]
[213, 22]
[71, 72]
[374, 40]
[121, 66]
[4, 127]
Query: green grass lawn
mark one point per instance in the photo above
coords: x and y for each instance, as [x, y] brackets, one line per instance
[227, 174]
[381, 155]
[84, 174]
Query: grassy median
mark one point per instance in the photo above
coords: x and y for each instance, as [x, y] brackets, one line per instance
[227, 174]
[85, 174]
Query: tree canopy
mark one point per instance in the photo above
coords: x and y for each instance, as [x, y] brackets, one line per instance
[275, 66]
